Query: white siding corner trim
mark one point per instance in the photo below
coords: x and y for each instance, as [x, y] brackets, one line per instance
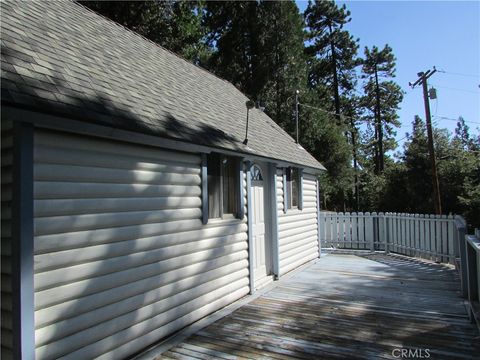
[251, 247]
[274, 219]
[122, 257]
[285, 192]
[318, 220]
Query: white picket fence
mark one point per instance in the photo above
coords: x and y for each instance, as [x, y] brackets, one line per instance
[433, 237]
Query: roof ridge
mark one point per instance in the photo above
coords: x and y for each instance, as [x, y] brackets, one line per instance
[156, 44]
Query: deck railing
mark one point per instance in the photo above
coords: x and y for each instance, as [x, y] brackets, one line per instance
[433, 237]
[439, 238]
[471, 275]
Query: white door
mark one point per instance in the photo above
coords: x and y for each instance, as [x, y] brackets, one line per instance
[258, 226]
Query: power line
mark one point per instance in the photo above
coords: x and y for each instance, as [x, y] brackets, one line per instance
[452, 119]
[456, 89]
[356, 118]
[327, 111]
[459, 74]
[406, 136]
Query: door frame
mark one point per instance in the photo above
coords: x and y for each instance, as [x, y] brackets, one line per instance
[270, 216]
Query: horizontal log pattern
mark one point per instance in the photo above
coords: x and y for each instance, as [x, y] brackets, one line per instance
[297, 229]
[6, 307]
[122, 258]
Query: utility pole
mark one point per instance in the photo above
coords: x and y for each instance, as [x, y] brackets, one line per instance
[296, 111]
[422, 79]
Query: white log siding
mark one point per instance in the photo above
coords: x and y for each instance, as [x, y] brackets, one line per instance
[122, 258]
[7, 155]
[297, 229]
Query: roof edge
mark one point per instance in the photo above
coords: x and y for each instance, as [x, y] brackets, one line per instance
[63, 123]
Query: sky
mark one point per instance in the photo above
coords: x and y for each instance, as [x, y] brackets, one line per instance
[423, 34]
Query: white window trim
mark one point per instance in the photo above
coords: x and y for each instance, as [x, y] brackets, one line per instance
[240, 213]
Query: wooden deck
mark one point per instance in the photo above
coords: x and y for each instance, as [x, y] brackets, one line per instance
[346, 306]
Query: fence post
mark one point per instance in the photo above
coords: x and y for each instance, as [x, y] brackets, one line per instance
[418, 243]
[361, 230]
[440, 239]
[348, 228]
[393, 226]
[463, 261]
[328, 230]
[335, 230]
[341, 229]
[354, 224]
[415, 234]
[428, 242]
[433, 244]
[385, 234]
[381, 234]
[371, 230]
[451, 244]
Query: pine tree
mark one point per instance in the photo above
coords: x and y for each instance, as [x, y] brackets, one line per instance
[259, 48]
[235, 38]
[382, 98]
[333, 50]
[332, 60]
[462, 135]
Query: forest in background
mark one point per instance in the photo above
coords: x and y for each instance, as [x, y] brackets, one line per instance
[348, 97]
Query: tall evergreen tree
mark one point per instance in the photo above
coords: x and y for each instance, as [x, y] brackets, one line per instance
[382, 98]
[332, 49]
[418, 176]
[462, 135]
[408, 187]
[235, 38]
[332, 58]
[259, 48]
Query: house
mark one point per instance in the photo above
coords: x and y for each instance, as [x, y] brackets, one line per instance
[131, 206]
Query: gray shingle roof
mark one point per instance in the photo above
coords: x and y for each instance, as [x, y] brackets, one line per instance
[62, 58]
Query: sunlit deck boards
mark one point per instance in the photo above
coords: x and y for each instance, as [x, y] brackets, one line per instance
[346, 306]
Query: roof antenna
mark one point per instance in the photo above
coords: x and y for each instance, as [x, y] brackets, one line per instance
[296, 113]
[250, 105]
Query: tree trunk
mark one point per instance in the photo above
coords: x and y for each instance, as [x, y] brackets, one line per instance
[335, 77]
[379, 126]
[355, 164]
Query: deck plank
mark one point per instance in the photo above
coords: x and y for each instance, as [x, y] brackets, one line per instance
[346, 306]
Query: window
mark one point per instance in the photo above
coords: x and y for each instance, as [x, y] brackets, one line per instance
[223, 185]
[256, 174]
[293, 188]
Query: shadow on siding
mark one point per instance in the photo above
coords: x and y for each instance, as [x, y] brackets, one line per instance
[53, 95]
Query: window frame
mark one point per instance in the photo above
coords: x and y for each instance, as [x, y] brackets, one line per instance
[237, 192]
[289, 177]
